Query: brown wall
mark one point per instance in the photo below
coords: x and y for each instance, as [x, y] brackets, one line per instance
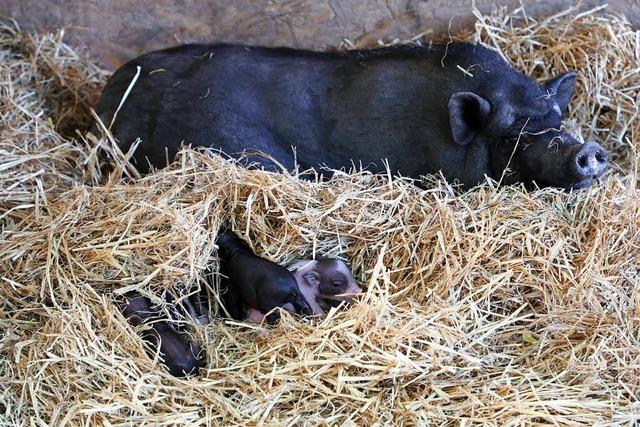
[117, 30]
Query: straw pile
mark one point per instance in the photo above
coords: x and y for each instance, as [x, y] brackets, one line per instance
[495, 305]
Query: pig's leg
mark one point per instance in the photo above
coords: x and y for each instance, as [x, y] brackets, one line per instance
[274, 316]
[295, 300]
[254, 316]
[300, 304]
[232, 301]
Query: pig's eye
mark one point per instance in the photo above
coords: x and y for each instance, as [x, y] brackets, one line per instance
[337, 284]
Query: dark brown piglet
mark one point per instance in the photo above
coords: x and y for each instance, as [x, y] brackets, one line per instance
[181, 356]
[323, 283]
[254, 282]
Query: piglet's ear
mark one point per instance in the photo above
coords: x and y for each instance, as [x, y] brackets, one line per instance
[562, 88]
[468, 114]
[312, 278]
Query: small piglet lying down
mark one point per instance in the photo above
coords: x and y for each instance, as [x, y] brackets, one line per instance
[323, 283]
[253, 286]
[181, 356]
[255, 282]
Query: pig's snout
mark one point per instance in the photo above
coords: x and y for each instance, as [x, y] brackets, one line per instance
[589, 162]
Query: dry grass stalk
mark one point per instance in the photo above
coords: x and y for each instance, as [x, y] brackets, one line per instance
[492, 306]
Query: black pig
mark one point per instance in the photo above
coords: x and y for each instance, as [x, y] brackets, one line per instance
[181, 356]
[322, 283]
[254, 282]
[457, 108]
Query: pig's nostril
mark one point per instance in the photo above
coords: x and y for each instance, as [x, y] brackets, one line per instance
[583, 161]
[590, 161]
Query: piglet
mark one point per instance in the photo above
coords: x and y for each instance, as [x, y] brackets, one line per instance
[321, 282]
[181, 356]
[329, 279]
[255, 283]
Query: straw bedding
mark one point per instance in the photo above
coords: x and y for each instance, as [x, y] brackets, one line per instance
[495, 305]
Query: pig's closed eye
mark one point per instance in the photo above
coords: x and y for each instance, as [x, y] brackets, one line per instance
[337, 284]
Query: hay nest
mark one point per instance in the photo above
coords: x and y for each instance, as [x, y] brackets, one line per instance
[494, 305]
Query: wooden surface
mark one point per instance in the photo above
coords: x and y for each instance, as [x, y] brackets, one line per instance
[115, 31]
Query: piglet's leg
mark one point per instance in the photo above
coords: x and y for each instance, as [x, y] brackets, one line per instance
[273, 316]
[232, 301]
[300, 304]
[255, 316]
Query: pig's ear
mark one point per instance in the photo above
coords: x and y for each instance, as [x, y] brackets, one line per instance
[562, 88]
[312, 278]
[468, 114]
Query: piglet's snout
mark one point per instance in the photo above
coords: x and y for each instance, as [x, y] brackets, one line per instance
[589, 161]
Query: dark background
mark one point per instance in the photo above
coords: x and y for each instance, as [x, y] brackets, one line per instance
[115, 31]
